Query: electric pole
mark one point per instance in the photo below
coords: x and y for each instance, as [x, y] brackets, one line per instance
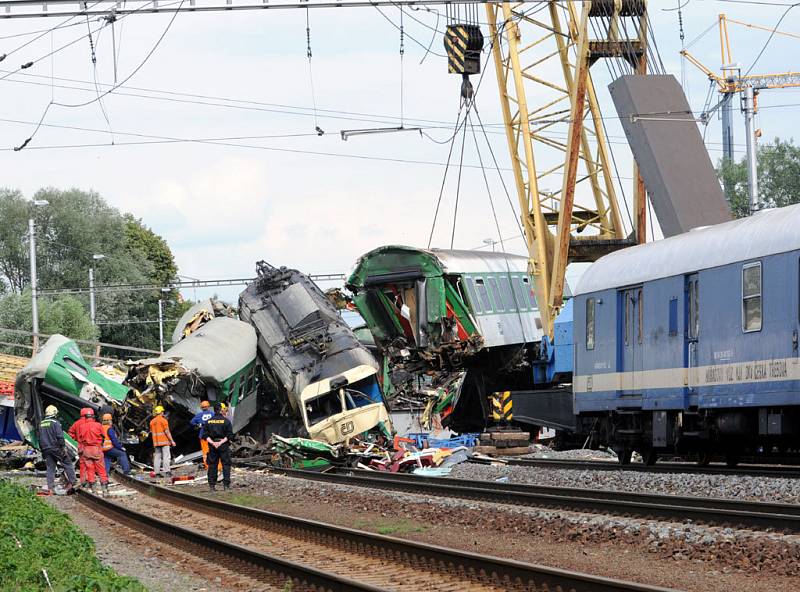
[34, 303]
[752, 162]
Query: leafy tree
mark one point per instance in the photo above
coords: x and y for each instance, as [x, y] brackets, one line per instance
[70, 230]
[65, 315]
[778, 177]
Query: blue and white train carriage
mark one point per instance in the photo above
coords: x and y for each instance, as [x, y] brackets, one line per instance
[690, 344]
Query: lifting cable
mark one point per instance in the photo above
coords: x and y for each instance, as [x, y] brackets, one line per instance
[460, 169]
[317, 128]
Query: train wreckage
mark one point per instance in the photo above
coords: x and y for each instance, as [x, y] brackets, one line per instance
[289, 365]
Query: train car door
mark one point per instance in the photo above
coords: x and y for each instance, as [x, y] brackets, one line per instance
[692, 333]
[631, 338]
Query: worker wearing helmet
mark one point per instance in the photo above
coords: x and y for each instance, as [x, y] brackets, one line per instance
[54, 450]
[219, 434]
[112, 447]
[162, 440]
[89, 435]
[199, 421]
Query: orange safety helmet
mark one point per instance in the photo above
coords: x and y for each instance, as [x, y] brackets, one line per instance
[87, 412]
[204, 404]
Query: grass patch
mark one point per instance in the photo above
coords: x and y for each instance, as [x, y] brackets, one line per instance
[396, 527]
[35, 536]
[253, 501]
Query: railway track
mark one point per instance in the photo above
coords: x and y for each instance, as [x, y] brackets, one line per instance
[784, 471]
[756, 515]
[338, 558]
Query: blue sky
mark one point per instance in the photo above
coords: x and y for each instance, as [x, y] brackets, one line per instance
[221, 208]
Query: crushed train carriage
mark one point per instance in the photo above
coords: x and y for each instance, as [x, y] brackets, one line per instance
[320, 380]
[439, 312]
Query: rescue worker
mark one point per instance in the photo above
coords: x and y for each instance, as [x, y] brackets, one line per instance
[89, 435]
[73, 433]
[113, 448]
[219, 433]
[199, 421]
[162, 440]
[54, 450]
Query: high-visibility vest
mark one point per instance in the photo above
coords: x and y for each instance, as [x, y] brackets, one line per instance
[158, 430]
[107, 444]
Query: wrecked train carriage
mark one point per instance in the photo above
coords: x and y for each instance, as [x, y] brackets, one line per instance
[440, 312]
[215, 362]
[58, 375]
[321, 381]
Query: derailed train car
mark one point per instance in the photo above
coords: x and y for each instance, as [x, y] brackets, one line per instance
[58, 375]
[443, 311]
[320, 380]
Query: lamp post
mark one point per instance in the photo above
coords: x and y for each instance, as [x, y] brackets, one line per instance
[34, 302]
[92, 305]
[490, 241]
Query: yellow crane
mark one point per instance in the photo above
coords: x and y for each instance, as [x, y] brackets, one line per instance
[565, 186]
[730, 81]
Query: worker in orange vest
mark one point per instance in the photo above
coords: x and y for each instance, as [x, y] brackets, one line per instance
[162, 440]
[112, 447]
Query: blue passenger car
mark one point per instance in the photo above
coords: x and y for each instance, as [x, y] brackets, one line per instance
[691, 343]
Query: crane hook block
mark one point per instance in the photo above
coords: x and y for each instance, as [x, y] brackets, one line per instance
[463, 44]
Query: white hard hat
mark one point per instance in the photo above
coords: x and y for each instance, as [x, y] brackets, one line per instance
[51, 410]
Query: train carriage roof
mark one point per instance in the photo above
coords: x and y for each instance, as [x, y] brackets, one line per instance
[385, 260]
[766, 233]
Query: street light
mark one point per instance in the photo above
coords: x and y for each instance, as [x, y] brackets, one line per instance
[34, 303]
[490, 241]
[92, 307]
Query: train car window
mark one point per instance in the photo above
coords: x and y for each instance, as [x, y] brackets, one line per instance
[531, 296]
[498, 302]
[590, 323]
[640, 301]
[694, 311]
[473, 299]
[519, 292]
[508, 297]
[73, 365]
[673, 317]
[751, 297]
[483, 295]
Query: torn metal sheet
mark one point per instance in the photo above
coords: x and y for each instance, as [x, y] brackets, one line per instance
[198, 315]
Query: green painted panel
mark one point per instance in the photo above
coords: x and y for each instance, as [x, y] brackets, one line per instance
[435, 299]
[68, 359]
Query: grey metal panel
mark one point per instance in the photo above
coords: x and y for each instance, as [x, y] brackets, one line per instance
[672, 158]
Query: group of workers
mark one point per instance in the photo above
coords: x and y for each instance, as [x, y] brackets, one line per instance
[99, 445]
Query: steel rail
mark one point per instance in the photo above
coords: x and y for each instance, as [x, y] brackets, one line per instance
[758, 515]
[211, 548]
[537, 577]
[781, 471]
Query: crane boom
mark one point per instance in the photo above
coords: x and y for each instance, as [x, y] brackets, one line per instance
[578, 217]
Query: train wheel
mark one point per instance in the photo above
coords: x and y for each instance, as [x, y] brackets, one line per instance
[649, 457]
[731, 459]
[704, 460]
[624, 455]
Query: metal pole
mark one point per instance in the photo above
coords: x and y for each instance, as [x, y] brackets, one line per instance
[92, 310]
[34, 304]
[727, 127]
[752, 163]
[161, 325]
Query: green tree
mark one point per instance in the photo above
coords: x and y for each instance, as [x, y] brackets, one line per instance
[778, 177]
[65, 315]
[75, 226]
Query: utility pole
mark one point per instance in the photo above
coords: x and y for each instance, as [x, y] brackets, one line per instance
[92, 304]
[161, 325]
[34, 303]
[34, 283]
[752, 162]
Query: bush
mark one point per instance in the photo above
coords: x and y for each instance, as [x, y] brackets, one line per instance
[35, 536]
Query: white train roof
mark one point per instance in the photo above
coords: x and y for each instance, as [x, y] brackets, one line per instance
[463, 261]
[765, 233]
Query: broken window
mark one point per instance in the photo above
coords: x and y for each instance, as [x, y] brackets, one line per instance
[531, 295]
[323, 407]
[73, 365]
[473, 298]
[520, 290]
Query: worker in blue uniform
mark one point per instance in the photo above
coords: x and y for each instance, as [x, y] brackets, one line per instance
[113, 448]
[54, 449]
[199, 421]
